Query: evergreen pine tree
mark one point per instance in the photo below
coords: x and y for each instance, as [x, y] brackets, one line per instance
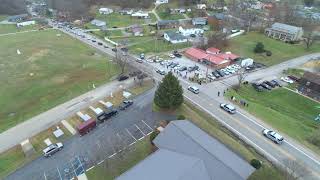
[169, 94]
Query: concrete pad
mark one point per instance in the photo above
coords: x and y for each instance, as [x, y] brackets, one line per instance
[82, 177]
[69, 127]
[47, 142]
[27, 148]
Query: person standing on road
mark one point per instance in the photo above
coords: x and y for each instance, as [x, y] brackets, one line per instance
[218, 93]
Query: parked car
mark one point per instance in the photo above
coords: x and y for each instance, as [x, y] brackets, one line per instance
[139, 60]
[287, 80]
[177, 54]
[86, 126]
[257, 87]
[123, 77]
[221, 73]
[266, 86]
[275, 137]
[53, 148]
[125, 104]
[193, 89]
[193, 68]
[142, 56]
[276, 83]
[107, 115]
[211, 77]
[172, 56]
[105, 46]
[229, 108]
[183, 68]
[216, 74]
[270, 83]
[100, 43]
[114, 49]
[160, 71]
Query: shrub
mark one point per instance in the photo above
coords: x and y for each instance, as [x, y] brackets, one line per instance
[255, 163]
[259, 48]
[181, 117]
[268, 53]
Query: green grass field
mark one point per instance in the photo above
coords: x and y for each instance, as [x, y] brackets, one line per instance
[50, 70]
[118, 20]
[243, 45]
[285, 110]
[12, 28]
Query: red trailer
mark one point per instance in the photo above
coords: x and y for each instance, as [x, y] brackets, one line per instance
[87, 126]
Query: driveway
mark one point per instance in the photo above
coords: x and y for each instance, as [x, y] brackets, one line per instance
[105, 141]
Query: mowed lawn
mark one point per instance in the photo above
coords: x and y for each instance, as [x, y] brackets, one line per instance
[11, 28]
[243, 45]
[50, 70]
[284, 110]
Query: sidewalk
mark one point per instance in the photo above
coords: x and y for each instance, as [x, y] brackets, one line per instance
[38, 123]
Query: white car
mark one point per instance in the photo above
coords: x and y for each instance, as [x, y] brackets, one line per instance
[53, 148]
[193, 89]
[172, 56]
[229, 108]
[287, 80]
[275, 137]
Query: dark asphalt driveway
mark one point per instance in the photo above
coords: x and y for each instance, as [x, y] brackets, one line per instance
[79, 153]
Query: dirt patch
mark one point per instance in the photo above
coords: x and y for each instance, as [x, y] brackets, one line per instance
[313, 66]
[37, 55]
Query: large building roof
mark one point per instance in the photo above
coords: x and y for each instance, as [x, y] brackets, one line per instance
[175, 36]
[186, 153]
[286, 28]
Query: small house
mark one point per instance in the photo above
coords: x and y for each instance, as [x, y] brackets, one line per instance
[98, 23]
[140, 15]
[167, 24]
[192, 31]
[105, 11]
[200, 21]
[174, 37]
[309, 85]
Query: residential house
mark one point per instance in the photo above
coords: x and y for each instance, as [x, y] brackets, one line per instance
[17, 18]
[199, 21]
[98, 23]
[192, 31]
[105, 11]
[26, 23]
[158, 2]
[309, 85]
[186, 152]
[178, 10]
[201, 6]
[126, 11]
[284, 32]
[137, 30]
[167, 24]
[140, 15]
[174, 37]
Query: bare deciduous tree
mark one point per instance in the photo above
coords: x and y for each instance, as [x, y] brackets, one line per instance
[241, 75]
[121, 59]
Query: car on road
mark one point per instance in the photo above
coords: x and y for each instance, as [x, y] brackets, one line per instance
[123, 77]
[51, 149]
[139, 60]
[287, 80]
[114, 49]
[100, 43]
[94, 40]
[125, 104]
[105, 46]
[275, 137]
[229, 108]
[194, 89]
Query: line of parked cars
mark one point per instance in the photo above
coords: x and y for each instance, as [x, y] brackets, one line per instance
[226, 71]
[266, 85]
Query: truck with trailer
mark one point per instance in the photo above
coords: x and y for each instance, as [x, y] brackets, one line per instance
[86, 126]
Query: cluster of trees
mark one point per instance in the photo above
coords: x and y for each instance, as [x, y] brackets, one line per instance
[12, 7]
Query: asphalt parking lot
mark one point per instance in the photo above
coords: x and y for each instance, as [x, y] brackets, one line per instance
[108, 139]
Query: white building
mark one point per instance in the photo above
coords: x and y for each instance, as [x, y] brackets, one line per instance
[201, 6]
[140, 14]
[105, 11]
[158, 2]
[98, 23]
[188, 32]
[26, 23]
[174, 37]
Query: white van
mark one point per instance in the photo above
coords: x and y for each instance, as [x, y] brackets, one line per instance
[193, 89]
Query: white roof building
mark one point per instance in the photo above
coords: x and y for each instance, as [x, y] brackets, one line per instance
[188, 32]
[105, 11]
[98, 23]
[158, 2]
[26, 23]
[140, 14]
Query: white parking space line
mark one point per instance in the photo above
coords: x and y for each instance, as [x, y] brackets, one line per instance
[112, 155]
[131, 134]
[140, 131]
[147, 125]
[110, 143]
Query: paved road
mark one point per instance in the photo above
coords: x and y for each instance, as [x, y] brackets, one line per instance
[107, 139]
[33, 126]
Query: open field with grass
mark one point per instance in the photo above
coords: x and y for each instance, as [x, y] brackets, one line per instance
[50, 70]
[117, 166]
[284, 110]
[243, 45]
[118, 20]
[12, 28]
[14, 158]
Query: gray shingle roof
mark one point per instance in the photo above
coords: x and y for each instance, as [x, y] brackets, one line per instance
[174, 35]
[186, 152]
[286, 28]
